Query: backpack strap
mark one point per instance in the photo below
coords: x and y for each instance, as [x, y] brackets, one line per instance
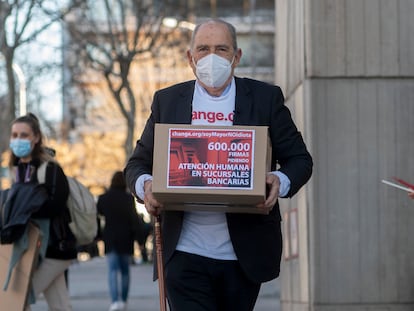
[41, 176]
[41, 172]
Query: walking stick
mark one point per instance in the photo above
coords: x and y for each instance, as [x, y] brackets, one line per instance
[160, 264]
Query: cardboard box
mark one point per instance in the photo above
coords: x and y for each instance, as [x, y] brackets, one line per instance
[15, 297]
[211, 167]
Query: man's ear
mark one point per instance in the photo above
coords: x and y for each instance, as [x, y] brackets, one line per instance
[237, 57]
[190, 57]
[36, 139]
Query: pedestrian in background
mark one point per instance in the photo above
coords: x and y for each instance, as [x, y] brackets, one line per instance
[144, 230]
[117, 206]
[27, 154]
[215, 260]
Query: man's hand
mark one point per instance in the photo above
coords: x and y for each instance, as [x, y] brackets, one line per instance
[152, 206]
[273, 183]
[411, 194]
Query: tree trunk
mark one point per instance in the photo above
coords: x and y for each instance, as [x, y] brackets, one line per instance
[8, 107]
[11, 87]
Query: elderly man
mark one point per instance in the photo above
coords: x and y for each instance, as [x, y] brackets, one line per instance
[216, 260]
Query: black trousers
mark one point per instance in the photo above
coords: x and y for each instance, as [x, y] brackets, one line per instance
[196, 283]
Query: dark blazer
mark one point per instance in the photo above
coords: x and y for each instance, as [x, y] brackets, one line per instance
[23, 199]
[256, 239]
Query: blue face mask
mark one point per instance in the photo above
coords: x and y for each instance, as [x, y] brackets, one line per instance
[21, 147]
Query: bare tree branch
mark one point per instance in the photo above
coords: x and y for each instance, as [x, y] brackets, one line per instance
[21, 22]
[113, 42]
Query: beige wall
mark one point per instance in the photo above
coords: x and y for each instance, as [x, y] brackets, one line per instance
[347, 70]
[336, 38]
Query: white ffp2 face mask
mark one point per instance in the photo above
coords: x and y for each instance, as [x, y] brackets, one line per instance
[213, 70]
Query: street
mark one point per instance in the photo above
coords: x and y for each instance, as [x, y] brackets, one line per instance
[89, 290]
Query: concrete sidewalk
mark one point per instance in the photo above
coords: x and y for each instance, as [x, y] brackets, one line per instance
[89, 290]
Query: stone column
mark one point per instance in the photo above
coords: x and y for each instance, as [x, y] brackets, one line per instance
[347, 71]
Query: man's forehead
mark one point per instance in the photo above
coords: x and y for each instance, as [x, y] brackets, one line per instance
[212, 34]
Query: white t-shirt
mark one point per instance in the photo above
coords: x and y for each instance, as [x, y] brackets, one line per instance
[206, 233]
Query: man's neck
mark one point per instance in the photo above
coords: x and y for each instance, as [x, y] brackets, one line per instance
[216, 91]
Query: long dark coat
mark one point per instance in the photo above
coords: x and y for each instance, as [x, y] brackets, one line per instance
[121, 218]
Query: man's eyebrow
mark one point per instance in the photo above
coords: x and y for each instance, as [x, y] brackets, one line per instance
[199, 46]
[213, 46]
[222, 46]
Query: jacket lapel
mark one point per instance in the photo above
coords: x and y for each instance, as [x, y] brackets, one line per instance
[183, 113]
[243, 103]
